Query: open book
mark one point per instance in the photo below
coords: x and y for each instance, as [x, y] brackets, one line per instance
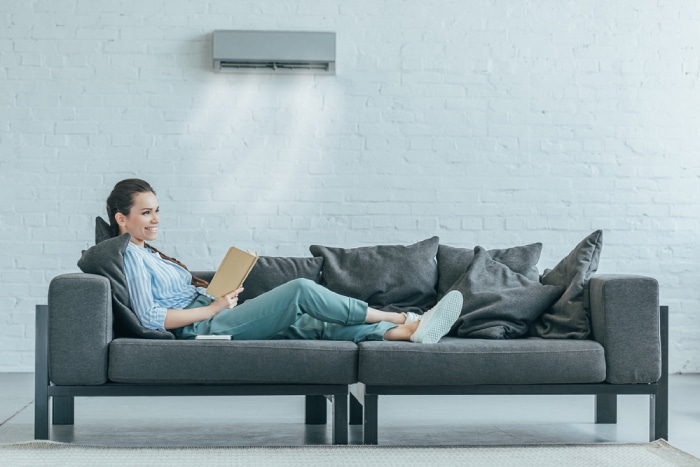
[233, 270]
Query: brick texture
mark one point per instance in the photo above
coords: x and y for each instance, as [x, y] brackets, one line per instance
[484, 122]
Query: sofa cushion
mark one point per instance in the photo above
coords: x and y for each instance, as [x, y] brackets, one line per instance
[453, 262]
[568, 318]
[102, 230]
[232, 362]
[271, 271]
[107, 259]
[455, 361]
[499, 303]
[383, 275]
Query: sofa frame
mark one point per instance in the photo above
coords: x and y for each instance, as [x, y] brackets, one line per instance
[59, 401]
[360, 399]
[364, 398]
[627, 323]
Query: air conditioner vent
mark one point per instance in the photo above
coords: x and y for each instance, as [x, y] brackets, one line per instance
[274, 52]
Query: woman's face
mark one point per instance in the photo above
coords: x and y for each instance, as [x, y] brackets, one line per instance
[142, 221]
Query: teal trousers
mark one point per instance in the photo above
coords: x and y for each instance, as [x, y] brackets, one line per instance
[299, 309]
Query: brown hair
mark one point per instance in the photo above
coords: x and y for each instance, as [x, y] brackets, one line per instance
[121, 199]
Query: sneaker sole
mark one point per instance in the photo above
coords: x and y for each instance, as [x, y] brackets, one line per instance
[441, 323]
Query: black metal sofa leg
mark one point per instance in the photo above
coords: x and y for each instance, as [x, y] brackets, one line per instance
[41, 373]
[658, 404]
[370, 433]
[315, 410]
[606, 408]
[316, 415]
[356, 415]
[340, 419]
[658, 421]
[63, 410]
[41, 413]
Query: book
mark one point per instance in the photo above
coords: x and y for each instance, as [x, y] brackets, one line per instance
[213, 337]
[232, 272]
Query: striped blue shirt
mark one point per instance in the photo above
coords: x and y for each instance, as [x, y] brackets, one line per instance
[156, 285]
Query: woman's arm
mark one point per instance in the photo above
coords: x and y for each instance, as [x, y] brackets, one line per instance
[140, 294]
[156, 317]
[178, 318]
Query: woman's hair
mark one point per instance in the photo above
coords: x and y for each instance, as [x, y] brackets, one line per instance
[121, 199]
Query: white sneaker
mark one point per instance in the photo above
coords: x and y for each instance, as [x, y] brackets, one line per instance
[411, 317]
[438, 321]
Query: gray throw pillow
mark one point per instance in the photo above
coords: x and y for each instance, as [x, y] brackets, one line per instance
[568, 318]
[383, 275]
[102, 230]
[271, 271]
[107, 259]
[499, 303]
[453, 262]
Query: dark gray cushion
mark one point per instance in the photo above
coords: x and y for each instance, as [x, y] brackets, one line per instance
[107, 259]
[272, 271]
[568, 318]
[383, 275]
[232, 362]
[499, 303]
[455, 361]
[102, 230]
[453, 262]
[204, 275]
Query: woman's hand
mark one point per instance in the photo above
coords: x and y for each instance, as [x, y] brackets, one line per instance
[226, 302]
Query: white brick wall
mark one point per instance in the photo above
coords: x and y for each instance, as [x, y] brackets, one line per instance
[484, 122]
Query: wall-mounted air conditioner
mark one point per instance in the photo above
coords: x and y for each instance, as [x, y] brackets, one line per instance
[274, 52]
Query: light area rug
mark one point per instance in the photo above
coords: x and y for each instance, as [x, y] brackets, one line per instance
[38, 453]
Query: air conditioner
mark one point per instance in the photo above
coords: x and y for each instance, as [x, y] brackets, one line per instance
[296, 52]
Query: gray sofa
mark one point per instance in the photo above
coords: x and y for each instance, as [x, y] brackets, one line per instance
[83, 350]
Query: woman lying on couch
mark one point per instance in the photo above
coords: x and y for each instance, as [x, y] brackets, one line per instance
[164, 295]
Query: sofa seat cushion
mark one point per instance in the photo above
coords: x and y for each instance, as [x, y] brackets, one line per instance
[456, 361]
[232, 362]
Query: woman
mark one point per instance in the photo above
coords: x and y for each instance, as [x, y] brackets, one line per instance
[165, 295]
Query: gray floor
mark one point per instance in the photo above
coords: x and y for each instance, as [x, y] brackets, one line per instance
[403, 420]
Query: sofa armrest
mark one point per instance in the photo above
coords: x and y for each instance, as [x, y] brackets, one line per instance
[80, 329]
[625, 321]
